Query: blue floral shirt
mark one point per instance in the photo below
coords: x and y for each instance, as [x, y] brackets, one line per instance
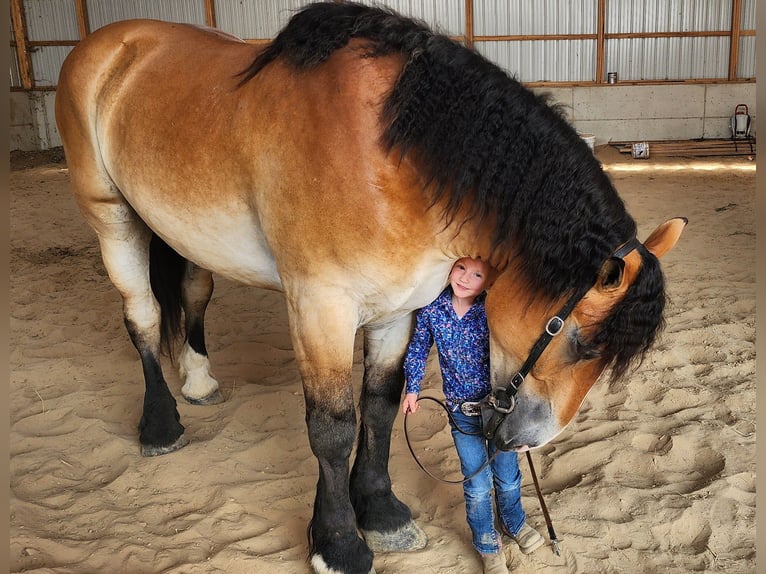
[462, 345]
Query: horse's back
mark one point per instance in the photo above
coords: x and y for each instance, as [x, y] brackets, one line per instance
[277, 172]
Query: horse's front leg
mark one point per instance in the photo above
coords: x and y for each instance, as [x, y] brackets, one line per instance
[323, 338]
[384, 520]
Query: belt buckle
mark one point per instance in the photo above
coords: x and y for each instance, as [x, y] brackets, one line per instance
[470, 408]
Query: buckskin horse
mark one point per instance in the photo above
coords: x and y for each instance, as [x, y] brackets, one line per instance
[348, 164]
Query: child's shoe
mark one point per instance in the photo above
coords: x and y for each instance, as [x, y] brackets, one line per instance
[494, 563]
[528, 539]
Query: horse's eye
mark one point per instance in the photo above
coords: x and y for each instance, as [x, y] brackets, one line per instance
[584, 350]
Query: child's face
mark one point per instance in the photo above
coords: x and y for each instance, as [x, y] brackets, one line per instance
[468, 277]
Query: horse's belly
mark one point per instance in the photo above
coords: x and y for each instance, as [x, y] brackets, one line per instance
[228, 243]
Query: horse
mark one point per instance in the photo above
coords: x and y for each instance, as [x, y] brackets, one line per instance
[348, 163]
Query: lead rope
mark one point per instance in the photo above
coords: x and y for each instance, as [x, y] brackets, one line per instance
[548, 521]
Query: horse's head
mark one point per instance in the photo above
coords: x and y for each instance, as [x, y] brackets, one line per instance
[611, 326]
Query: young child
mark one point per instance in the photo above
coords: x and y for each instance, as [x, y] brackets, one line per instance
[457, 323]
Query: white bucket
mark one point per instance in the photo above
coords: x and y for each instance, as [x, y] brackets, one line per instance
[590, 139]
[740, 123]
[640, 150]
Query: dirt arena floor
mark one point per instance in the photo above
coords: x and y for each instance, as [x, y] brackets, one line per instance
[654, 475]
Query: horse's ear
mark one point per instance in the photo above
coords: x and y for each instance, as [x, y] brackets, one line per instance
[665, 236]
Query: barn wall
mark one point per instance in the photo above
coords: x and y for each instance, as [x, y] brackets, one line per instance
[655, 112]
[32, 125]
[621, 112]
[610, 112]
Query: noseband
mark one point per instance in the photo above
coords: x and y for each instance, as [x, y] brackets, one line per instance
[502, 400]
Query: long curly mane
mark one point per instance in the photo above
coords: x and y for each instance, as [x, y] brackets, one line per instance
[487, 144]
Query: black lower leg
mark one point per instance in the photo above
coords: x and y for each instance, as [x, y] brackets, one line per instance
[375, 505]
[195, 335]
[333, 530]
[160, 424]
[196, 290]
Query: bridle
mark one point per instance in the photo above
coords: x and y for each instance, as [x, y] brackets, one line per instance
[501, 401]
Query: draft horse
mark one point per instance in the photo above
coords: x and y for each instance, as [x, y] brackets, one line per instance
[348, 164]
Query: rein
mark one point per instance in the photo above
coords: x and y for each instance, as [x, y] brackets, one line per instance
[457, 426]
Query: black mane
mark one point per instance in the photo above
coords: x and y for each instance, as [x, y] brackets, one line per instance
[485, 142]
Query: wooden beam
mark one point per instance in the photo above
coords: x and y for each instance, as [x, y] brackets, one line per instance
[527, 37]
[698, 34]
[22, 49]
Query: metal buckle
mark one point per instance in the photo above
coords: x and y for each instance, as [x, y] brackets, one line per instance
[470, 408]
[496, 406]
[554, 325]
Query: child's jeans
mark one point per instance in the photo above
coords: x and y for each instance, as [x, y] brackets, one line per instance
[503, 474]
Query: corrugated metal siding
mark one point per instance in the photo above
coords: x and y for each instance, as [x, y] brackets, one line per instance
[746, 62]
[102, 12]
[747, 18]
[15, 75]
[554, 61]
[668, 58]
[544, 60]
[264, 19]
[46, 63]
[446, 16]
[505, 18]
[255, 20]
[51, 20]
[48, 20]
[539, 60]
[628, 16]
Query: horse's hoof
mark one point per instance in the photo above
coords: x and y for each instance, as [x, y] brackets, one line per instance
[406, 539]
[319, 566]
[212, 399]
[150, 450]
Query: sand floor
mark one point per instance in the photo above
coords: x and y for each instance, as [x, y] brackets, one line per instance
[654, 475]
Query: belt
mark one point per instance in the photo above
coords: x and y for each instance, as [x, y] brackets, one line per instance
[470, 408]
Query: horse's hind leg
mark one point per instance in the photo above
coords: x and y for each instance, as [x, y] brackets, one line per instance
[194, 367]
[384, 520]
[125, 250]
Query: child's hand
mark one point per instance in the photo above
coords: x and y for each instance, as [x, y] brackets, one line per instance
[410, 403]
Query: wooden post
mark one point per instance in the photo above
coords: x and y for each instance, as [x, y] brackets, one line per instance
[469, 24]
[83, 25]
[22, 47]
[736, 22]
[600, 41]
[210, 13]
